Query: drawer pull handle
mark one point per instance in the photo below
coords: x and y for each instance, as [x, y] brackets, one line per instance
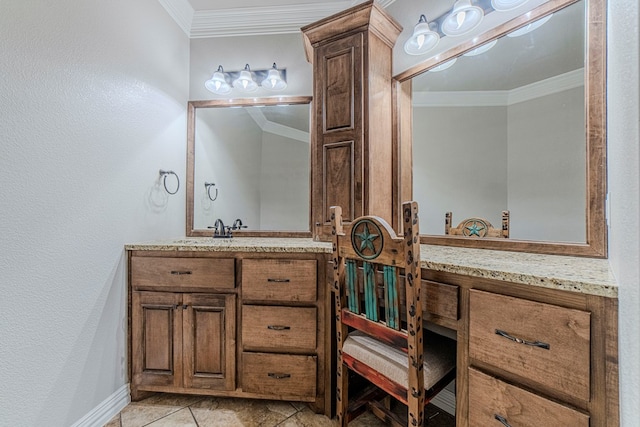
[278, 376]
[502, 420]
[278, 327]
[180, 272]
[539, 344]
[278, 280]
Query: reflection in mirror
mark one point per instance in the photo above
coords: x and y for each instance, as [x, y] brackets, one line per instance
[250, 162]
[504, 130]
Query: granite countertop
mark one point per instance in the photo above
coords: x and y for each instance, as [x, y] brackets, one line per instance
[585, 275]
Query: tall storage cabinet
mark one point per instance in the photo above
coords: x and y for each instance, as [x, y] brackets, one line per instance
[352, 148]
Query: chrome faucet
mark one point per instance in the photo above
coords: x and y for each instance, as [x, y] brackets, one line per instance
[237, 224]
[220, 230]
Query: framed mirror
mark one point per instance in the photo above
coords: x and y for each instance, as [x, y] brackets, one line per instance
[519, 127]
[249, 160]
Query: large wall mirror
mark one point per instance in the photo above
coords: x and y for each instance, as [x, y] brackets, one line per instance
[249, 159]
[514, 120]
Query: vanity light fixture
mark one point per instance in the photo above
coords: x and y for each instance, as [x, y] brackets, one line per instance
[218, 82]
[464, 17]
[247, 80]
[504, 5]
[274, 80]
[482, 49]
[528, 28]
[423, 38]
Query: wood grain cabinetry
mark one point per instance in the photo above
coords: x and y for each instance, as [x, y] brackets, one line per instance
[281, 333]
[530, 356]
[232, 324]
[352, 153]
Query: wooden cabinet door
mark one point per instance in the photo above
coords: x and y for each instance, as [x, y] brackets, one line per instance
[156, 331]
[338, 158]
[209, 341]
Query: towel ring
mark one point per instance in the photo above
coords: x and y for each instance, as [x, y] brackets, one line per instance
[164, 174]
[207, 186]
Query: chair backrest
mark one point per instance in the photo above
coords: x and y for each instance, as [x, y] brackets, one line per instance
[476, 227]
[369, 257]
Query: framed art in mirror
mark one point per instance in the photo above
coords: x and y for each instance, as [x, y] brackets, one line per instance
[520, 128]
[248, 166]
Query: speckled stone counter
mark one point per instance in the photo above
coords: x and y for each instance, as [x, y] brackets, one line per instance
[584, 275]
[236, 244]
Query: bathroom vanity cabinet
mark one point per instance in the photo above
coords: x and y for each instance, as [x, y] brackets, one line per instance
[537, 337]
[228, 323]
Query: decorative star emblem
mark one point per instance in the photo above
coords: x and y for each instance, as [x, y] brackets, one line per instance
[474, 230]
[366, 239]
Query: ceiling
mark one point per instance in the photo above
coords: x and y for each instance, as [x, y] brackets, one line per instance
[555, 49]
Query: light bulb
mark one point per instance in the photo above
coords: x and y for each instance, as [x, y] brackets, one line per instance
[460, 17]
[420, 41]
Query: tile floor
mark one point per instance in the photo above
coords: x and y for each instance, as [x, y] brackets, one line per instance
[170, 410]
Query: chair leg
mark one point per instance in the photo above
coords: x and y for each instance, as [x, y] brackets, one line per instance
[342, 393]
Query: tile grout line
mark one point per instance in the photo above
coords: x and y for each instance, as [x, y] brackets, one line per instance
[195, 420]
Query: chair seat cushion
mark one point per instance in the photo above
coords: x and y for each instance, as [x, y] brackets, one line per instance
[439, 357]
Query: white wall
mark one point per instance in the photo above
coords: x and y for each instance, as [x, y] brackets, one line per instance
[624, 186]
[470, 178]
[546, 168]
[228, 153]
[92, 104]
[479, 161]
[284, 183]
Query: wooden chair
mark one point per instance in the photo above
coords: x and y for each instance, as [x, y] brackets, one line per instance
[476, 227]
[380, 334]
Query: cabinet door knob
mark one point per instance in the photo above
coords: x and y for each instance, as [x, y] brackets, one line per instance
[278, 376]
[278, 327]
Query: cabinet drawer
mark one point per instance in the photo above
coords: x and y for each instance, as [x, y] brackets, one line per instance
[546, 344]
[279, 328]
[441, 299]
[279, 280]
[161, 272]
[279, 375]
[491, 400]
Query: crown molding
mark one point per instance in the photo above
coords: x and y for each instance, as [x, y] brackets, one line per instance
[276, 128]
[500, 98]
[251, 20]
[181, 12]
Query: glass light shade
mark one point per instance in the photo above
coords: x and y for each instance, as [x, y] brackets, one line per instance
[423, 38]
[482, 49]
[504, 5]
[463, 18]
[528, 28]
[218, 83]
[245, 81]
[443, 66]
[274, 81]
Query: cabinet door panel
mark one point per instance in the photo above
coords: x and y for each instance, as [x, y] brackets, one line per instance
[491, 400]
[279, 328]
[209, 341]
[543, 343]
[339, 179]
[156, 323]
[339, 88]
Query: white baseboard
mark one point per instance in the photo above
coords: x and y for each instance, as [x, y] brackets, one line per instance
[445, 400]
[105, 411]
